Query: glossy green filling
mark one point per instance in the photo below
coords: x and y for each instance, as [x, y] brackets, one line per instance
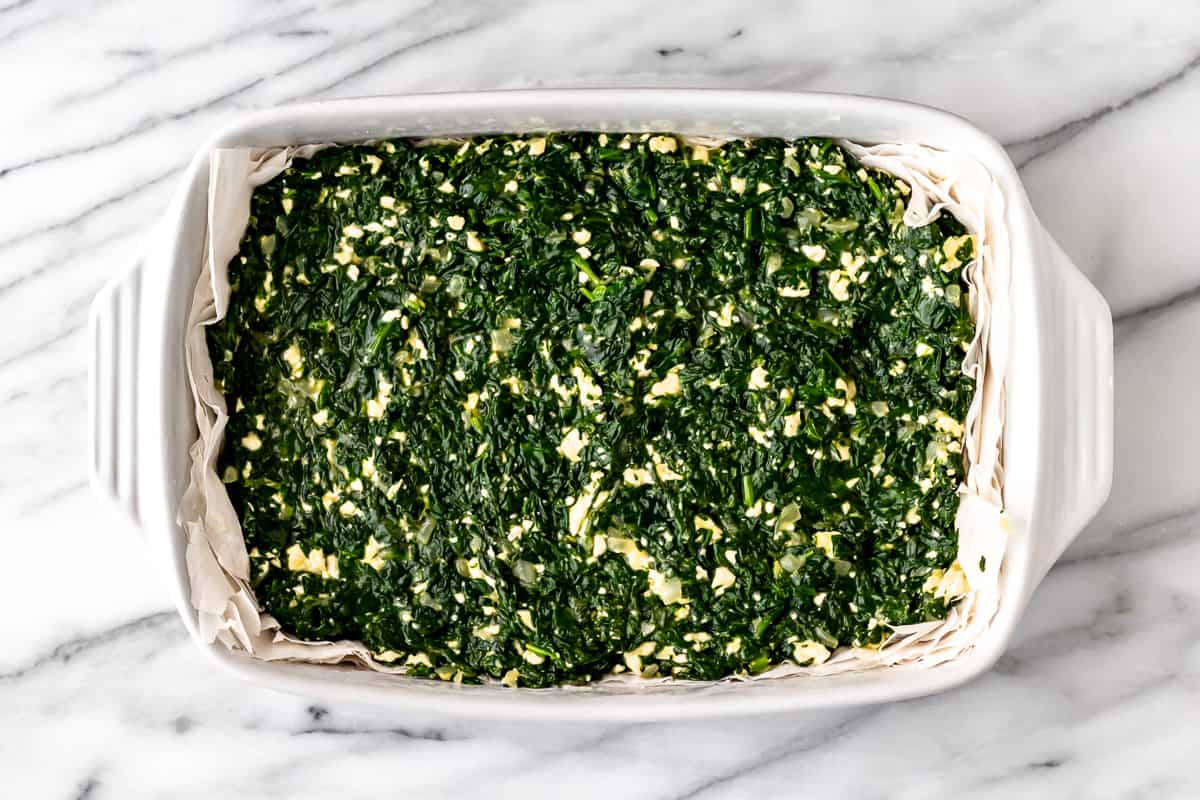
[544, 408]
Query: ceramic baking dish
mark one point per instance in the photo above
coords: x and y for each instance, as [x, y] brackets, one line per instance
[1057, 445]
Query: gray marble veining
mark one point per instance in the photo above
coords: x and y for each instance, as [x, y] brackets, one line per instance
[101, 695]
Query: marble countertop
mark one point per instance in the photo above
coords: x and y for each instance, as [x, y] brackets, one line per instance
[101, 693]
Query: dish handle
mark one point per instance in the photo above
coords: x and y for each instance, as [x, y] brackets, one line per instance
[112, 390]
[1083, 393]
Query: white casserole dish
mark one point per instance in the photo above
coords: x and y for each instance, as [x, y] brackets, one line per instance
[1057, 442]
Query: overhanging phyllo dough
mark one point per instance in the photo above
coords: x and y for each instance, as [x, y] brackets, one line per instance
[542, 409]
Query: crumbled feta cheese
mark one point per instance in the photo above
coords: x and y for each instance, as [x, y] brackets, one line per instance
[669, 386]
[824, 541]
[589, 391]
[839, 285]
[810, 653]
[667, 589]
[663, 144]
[572, 445]
[763, 437]
[723, 578]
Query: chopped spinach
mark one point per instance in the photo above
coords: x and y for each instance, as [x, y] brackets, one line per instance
[542, 408]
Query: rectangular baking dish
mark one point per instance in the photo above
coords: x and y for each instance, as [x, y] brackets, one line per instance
[1057, 445]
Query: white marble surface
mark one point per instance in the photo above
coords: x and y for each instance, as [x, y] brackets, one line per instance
[101, 695]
